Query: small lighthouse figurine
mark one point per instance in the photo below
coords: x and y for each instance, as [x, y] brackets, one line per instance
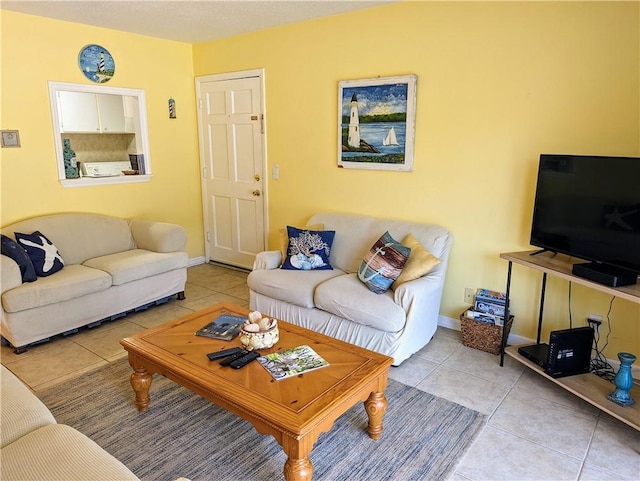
[623, 381]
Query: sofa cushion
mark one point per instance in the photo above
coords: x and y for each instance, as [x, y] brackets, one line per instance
[137, 264]
[60, 452]
[43, 254]
[419, 264]
[80, 236]
[20, 411]
[71, 282]
[294, 287]
[10, 248]
[383, 263]
[308, 249]
[345, 296]
[356, 233]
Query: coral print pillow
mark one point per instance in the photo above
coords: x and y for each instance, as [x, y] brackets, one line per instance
[43, 254]
[308, 249]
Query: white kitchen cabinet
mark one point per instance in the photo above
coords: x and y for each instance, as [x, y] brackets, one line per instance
[78, 112]
[111, 113]
[91, 113]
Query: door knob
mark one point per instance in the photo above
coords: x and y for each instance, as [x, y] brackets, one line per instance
[256, 193]
[257, 177]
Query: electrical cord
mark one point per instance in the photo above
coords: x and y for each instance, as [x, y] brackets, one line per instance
[599, 364]
[570, 315]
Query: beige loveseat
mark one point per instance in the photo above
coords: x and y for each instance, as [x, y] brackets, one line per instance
[111, 266]
[335, 302]
[34, 447]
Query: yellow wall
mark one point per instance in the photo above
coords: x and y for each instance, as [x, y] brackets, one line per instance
[36, 50]
[498, 84]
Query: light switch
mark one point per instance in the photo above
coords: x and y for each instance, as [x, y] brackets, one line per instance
[275, 172]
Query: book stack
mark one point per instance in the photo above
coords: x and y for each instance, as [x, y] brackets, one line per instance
[489, 306]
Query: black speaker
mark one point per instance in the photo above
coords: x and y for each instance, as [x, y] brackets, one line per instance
[605, 274]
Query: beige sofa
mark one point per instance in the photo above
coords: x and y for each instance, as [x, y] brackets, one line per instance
[335, 302]
[34, 447]
[111, 266]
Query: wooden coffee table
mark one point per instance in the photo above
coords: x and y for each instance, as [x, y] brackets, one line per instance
[294, 411]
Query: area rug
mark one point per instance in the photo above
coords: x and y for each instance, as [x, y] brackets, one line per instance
[182, 434]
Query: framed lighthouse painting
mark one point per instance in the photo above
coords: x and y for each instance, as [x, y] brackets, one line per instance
[96, 63]
[376, 123]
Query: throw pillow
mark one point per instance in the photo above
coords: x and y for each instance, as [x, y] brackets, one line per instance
[11, 249]
[383, 263]
[419, 264]
[308, 249]
[43, 254]
[284, 237]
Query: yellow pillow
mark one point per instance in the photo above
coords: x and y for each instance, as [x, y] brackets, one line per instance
[284, 237]
[420, 262]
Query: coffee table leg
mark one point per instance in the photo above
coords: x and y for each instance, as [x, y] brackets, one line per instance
[141, 382]
[298, 470]
[298, 467]
[375, 406]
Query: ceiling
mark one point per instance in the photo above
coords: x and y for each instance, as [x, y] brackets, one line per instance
[187, 20]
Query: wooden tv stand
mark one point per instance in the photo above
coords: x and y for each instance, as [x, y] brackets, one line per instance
[589, 387]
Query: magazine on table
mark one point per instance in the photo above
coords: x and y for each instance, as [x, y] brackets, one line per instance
[292, 362]
[225, 326]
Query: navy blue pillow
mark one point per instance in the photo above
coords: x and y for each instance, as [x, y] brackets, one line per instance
[308, 249]
[44, 255]
[11, 249]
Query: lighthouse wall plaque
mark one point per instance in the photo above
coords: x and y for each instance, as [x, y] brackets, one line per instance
[376, 123]
[96, 63]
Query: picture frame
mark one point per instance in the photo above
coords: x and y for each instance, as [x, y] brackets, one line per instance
[376, 123]
[96, 63]
[10, 138]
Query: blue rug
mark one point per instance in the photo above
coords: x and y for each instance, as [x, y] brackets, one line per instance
[183, 434]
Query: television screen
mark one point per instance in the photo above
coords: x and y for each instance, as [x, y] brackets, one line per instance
[589, 207]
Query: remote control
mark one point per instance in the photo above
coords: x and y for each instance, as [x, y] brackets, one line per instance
[244, 360]
[229, 359]
[224, 353]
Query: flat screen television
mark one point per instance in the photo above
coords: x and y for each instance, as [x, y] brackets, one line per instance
[589, 207]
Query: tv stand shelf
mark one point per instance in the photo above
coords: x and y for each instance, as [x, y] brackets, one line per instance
[589, 387]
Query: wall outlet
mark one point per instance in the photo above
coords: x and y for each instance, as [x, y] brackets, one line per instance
[468, 295]
[594, 320]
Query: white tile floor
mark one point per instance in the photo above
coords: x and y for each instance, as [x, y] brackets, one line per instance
[535, 430]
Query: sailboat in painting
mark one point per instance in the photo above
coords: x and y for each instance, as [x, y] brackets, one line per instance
[390, 139]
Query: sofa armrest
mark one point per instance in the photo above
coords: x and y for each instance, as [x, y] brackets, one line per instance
[158, 236]
[267, 260]
[420, 299]
[10, 275]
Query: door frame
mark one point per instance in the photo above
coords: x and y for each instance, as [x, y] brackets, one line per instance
[259, 73]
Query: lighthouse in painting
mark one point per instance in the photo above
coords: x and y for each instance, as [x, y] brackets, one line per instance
[354, 124]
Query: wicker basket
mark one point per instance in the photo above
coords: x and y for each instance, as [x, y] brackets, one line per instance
[482, 335]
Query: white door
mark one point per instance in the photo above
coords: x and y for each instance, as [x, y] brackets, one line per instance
[232, 160]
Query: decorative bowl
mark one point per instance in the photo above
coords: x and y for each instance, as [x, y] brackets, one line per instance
[259, 340]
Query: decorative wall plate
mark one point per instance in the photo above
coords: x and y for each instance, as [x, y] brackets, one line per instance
[96, 63]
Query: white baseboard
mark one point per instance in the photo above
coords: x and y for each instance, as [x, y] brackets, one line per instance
[196, 261]
[515, 340]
